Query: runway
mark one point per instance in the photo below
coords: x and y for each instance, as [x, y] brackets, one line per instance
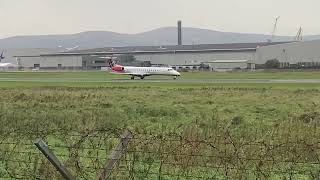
[104, 80]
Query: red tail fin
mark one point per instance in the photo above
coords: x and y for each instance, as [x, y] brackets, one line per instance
[111, 62]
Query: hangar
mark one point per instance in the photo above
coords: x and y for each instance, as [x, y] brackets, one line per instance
[304, 54]
[181, 56]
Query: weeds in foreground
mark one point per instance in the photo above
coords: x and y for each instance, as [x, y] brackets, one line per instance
[186, 133]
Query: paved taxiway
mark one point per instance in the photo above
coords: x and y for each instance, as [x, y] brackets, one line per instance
[181, 80]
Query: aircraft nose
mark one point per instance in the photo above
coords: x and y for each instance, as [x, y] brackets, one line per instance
[178, 74]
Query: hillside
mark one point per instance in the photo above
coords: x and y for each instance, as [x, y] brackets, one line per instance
[161, 36]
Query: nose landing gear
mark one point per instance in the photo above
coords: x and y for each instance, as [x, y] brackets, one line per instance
[174, 77]
[132, 77]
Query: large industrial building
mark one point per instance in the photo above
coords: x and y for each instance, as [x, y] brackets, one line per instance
[215, 57]
[303, 54]
[209, 56]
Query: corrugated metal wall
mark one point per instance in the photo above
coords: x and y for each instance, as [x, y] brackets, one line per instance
[308, 51]
[194, 58]
[65, 61]
[296, 52]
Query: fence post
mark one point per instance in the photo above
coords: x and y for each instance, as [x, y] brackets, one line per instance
[43, 147]
[115, 155]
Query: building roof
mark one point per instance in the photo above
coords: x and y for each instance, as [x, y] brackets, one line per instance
[31, 52]
[167, 49]
[227, 61]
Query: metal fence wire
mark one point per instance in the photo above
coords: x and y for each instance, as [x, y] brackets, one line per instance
[87, 154]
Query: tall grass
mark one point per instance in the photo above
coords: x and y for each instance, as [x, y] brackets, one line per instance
[207, 121]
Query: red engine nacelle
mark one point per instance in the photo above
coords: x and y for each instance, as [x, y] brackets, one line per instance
[118, 68]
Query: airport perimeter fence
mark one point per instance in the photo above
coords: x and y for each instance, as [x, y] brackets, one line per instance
[121, 154]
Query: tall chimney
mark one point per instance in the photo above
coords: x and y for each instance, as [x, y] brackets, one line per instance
[179, 33]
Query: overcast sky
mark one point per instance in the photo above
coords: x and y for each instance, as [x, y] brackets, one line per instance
[25, 17]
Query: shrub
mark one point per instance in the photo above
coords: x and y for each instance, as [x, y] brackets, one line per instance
[272, 64]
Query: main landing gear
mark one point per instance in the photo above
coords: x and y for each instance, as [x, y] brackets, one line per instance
[141, 77]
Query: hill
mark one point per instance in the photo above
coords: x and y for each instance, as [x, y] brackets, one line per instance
[157, 37]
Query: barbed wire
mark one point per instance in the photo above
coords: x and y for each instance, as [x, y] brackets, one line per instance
[169, 154]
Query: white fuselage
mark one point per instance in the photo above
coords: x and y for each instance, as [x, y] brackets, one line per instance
[148, 71]
[7, 65]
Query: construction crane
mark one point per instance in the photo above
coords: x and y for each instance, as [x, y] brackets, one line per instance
[274, 29]
[299, 36]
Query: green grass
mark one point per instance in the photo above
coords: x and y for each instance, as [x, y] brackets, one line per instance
[185, 75]
[15, 77]
[284, 118]
[162, 85]
[141, 104]
[252, 75]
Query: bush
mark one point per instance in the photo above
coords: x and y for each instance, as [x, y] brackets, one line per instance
[272, 64]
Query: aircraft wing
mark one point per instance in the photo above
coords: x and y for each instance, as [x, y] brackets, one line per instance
[131, 74]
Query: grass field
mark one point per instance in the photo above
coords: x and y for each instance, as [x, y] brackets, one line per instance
[285, 116]
[186, 75]
[82, 79]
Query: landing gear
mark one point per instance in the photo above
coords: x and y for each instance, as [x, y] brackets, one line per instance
[141, 77]
[132, 77]
[174, 77]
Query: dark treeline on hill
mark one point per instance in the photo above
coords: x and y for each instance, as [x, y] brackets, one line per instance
[157, 37]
